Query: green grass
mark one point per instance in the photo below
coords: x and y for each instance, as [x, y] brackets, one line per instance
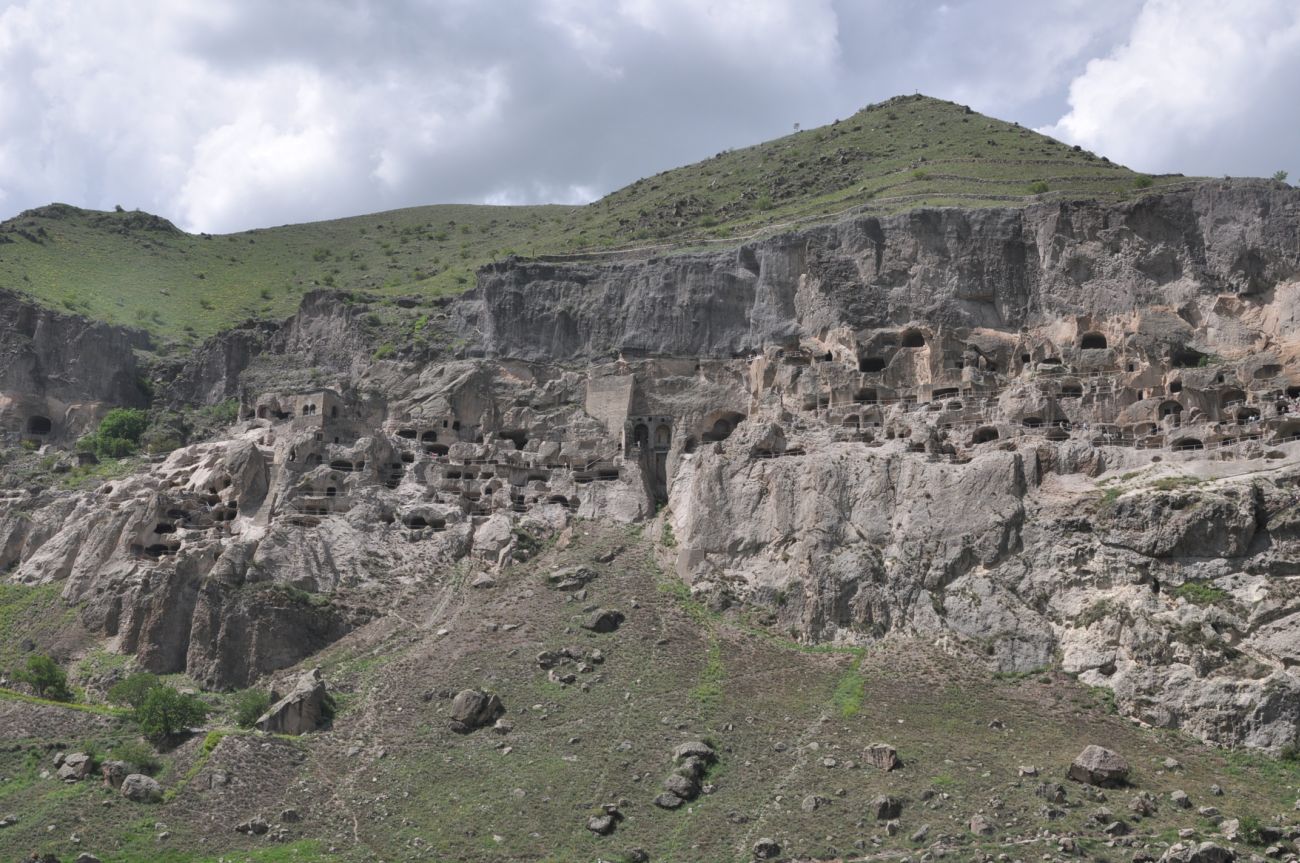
[1200, 593]
[850, 691]
[134, 269]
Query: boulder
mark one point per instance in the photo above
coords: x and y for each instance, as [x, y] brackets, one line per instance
[472, 709]
[603, 824]
[766, 849]
[668, 800]
[695, 749]
[885, 808]
[114, 772]
[604, 620]
[141, 789]
[75, 767]
[255, 826]
[1191, 852]
[1099, 766]
[302, 710]
[882, 756]
[981, 826]
[1180, 799]
[684, 787]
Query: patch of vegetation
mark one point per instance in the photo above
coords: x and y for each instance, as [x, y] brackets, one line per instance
[118, 434]
[250, 704]
[45, 678]
[139, 756]
[164, 713]
[708, 691]
[133, 689]
[1172, 483]
[1200, 593]
[850, 691]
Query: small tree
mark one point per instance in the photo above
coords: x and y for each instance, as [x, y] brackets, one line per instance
[45, 678]
[165, 713]
[131, 691]
[1280, 176]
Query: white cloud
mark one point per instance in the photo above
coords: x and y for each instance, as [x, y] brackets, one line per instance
[1199, 86]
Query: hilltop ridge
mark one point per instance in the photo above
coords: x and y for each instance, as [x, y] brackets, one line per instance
[137, 269]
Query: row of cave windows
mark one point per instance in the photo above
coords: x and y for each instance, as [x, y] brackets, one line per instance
[265, 412]
[914, 339]
[1071, 390]
[1181, 358]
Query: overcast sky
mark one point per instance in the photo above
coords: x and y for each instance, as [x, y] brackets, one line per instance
[232, 114]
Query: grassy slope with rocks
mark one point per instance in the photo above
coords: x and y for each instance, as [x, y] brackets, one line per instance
[390, 782]
[136, 269]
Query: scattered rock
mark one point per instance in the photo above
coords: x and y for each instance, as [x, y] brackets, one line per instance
[1099, 766]
[256, 826]
[141, 789]
[882, 756]
[766, 849]
[603, 824]
[75, 767]
[695, 749]
[604, 620]
[1143, 804]
[1051, 792]
[668, 800]
[981, 826]
[472, 709]
[1216, 791]
[885, 808]
[685, 787]
[1028, 771]
[1180, 799]
[812, 803]
[114, 772]
[289, 816]
[1172, 764]
[922, 834]
[86, 857]
[483, 581]
[1190, 852]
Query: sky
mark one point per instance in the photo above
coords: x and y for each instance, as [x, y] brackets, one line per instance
[224, 115]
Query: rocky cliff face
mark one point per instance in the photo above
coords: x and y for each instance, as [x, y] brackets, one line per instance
[1059, 436]
[59, 373]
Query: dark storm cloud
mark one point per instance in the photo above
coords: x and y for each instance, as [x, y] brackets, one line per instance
[227, 115]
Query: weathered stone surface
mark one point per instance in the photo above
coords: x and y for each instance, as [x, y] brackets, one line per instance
[1192, 852]
[604, 620]
[472, 709]
[302, 710]
[885, 808]
[114, 772]
[76, 766]
[141, 789]
[1099, 766]
[882, 756]
[766, 849]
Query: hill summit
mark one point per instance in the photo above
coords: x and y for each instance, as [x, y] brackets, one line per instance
[910, 151]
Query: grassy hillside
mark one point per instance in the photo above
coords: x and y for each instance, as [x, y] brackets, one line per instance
[133, 268]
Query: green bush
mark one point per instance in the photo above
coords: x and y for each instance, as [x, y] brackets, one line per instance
[165, 713]
[132, 690]
[1038, 188]
[250, 705]
[118, 434]
[45, 678]
[1143, 183]
[138, 755]
[1280, 176]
